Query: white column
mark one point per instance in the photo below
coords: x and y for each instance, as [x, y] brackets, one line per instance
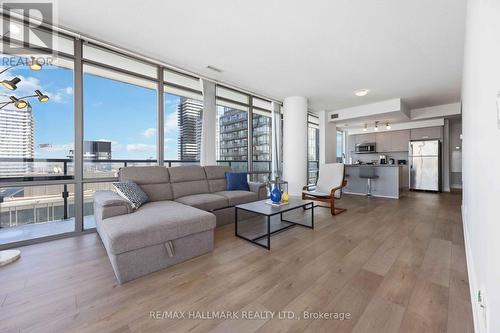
[327, 139]
[209, 125]
[295, 143]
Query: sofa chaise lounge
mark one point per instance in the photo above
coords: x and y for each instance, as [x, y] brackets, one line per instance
[186, 204]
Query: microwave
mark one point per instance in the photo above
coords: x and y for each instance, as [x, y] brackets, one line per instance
[365, 148]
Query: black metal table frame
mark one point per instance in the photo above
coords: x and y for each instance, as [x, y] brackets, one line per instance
[268, 218]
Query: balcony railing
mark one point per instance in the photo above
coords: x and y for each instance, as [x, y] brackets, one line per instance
[60, 195]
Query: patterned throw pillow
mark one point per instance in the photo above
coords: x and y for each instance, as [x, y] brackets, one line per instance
[132, 192]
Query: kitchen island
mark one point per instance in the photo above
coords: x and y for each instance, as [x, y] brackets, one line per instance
[388, 184]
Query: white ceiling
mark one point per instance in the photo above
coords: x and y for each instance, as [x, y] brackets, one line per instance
[323, 49]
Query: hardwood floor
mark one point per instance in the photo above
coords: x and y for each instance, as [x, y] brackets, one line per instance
[393, 265]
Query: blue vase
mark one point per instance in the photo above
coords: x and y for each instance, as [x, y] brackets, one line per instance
[276, 194]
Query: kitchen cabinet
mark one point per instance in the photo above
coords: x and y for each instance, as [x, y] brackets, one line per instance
[427, 133]
[365, 138]
[400, 140]
[383, 141]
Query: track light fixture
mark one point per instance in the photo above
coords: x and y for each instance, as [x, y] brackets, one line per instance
[387, 126]
[11, 84]
[41, 97]
[19, 103]
[22, 102]
[35, 64]
[376, 126]
[365, 128]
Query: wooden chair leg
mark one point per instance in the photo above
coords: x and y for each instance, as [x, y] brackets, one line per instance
[335, 210]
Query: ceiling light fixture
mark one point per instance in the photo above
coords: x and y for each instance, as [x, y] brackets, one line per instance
[387, 126]
[361, 92]
[376, 126]
[11, 84]
[366, 128]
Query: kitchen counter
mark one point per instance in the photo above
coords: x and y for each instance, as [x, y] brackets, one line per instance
[389, 183]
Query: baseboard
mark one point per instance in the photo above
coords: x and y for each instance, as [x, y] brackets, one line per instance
[471, 272]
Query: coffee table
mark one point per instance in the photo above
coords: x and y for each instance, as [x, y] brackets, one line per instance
[268, 211]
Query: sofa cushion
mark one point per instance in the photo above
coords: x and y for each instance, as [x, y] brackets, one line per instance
[237, 181]
[154, 180]
[238, 197]
[188, 180]
[186, 173]
[205, 201]
[153, 223]
[216, 177]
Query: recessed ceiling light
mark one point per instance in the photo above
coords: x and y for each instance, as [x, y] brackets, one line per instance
[361, 92]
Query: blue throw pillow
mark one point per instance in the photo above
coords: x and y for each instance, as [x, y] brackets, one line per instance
[236, 181]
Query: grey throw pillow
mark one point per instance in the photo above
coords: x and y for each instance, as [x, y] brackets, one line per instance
[131, 192]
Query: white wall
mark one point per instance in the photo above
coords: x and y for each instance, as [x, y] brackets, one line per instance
[295, 143]
[481, 158]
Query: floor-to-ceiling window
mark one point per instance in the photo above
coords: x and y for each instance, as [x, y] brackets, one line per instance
[261, 139]
[183, 113]
[312, 149]
[119, 118]
[232, 128]
[36, 137]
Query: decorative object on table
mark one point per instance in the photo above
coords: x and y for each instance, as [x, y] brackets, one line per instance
[236, 181]
[276, 204]
[8, 256]
[131, 192]
[275, 194]
[282, 187]
[329, 186]
[284, 196]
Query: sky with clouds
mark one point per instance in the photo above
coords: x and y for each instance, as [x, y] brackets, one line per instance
[114, 111]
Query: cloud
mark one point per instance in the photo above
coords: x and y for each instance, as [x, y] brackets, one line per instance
[149, 132]
[140, 148]
[69, 90]
[171, 122]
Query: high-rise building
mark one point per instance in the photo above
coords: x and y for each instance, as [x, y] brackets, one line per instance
[189, 120]
[233, 136]
[16, 140]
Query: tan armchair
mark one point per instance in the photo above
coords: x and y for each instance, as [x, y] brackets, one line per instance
[329, 186]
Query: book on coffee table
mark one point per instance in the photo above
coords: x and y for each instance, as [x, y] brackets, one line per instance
[277, 204]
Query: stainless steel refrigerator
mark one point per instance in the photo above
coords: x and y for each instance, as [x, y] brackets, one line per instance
[425, 165]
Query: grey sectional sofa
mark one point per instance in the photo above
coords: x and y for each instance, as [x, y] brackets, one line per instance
[186, 204]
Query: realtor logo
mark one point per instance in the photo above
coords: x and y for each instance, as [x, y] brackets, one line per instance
[26, 36]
